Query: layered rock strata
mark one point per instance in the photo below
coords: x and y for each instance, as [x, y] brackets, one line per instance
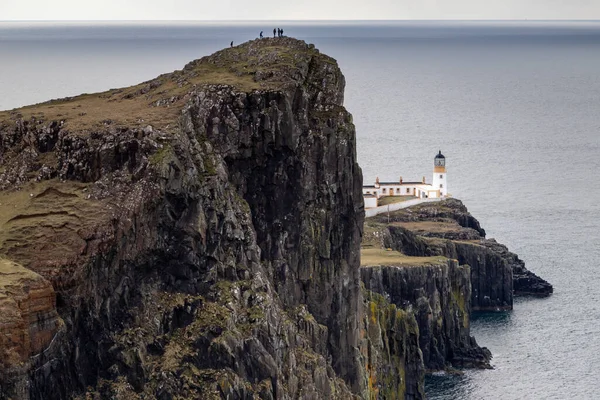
[28, 323]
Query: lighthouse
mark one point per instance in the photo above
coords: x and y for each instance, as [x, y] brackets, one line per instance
[439, 174]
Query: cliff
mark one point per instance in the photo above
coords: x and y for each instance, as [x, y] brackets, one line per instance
[448, 229]
[195, 236]
[433, 261]
[438, 295]
[198, 236]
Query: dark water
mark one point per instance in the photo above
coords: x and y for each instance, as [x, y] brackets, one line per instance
[515, 108]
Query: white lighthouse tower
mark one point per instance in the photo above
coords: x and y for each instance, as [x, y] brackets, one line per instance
[439, 174]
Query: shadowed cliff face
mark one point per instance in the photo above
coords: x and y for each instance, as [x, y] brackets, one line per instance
[201, 231]
[294, 162]
[438, 296]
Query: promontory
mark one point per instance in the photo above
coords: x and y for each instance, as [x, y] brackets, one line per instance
[199, 236]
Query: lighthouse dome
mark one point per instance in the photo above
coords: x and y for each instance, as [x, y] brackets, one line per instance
[439, 155]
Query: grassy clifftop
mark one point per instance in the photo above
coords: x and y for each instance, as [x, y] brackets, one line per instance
[41, 216]
[269, 63]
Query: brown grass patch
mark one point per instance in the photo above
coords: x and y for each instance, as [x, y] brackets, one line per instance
[384, 201]
[12, 274]
[430, 226]
[377, 257]
[137, 105]
[47, 221]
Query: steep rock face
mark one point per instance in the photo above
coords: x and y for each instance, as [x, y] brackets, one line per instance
[298, 147]
[491, 276]
[394, 361]
[448, 229]
[439, 297]
[201, 233]
[525, 282]
[28, 323]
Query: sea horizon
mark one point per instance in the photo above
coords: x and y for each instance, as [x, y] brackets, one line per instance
[303, 21]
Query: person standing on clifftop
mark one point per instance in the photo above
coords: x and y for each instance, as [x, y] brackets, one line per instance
[231, 43]
[273, 32]
[261, 35]
[282, 33]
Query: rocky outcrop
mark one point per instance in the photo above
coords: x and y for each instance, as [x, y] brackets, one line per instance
[28, 324]
[447, 229]
[394, 361]
[439, 298]
[197, 236]
[525, 282]
[433, 262]
[201, 232]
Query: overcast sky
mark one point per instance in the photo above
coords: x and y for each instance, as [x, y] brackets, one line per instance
[296, 9]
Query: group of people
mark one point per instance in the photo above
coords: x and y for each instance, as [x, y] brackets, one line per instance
[276, 31]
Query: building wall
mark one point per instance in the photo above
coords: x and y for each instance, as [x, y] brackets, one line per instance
[439, 182]
[421, 191]
[404, 190]
[371, 212]
[370, 202]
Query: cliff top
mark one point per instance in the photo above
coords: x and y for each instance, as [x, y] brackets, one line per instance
[67, 164]
[375, 257]
[448, 219]
[261, 64]
[85, 137]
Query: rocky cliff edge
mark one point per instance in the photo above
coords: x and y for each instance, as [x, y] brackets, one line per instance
[194, 236]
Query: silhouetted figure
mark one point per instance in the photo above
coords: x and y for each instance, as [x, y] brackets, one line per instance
[278, 32]
[273, 32]
[282, 33]
[231, 43]
[261, 34]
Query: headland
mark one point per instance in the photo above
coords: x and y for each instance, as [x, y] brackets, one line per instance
[199, 236]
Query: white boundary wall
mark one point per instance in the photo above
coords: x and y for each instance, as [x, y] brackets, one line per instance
[371, 212]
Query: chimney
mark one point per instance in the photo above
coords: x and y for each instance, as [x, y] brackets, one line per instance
[423, 179]
[400, 180]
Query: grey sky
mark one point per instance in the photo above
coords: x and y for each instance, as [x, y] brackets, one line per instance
[296, 9]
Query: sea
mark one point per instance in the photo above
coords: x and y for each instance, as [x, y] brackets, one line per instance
[513, 105]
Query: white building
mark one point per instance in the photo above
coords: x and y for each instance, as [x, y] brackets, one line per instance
[437, 189]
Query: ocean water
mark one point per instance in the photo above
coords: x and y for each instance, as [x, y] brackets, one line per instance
[514, 106]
